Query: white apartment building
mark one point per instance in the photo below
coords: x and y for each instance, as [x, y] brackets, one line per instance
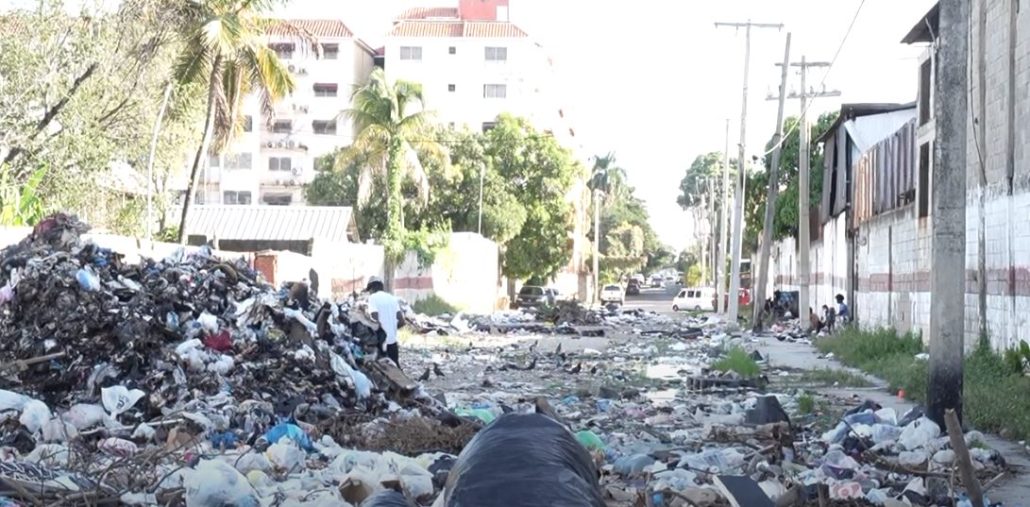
[473, 65]
[275, 157]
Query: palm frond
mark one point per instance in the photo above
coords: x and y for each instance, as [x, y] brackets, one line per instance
[268, 76]
[193, 61]
[416, 172]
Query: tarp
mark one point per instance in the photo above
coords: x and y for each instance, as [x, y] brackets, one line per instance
[523, 460]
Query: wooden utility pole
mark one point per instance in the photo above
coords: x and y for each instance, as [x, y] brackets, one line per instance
[738, 201]
[758, 291]
[805, 188]
[724, 221]
[948, 258]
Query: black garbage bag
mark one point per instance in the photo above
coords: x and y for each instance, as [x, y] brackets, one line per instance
[523, 460]
[386, 498]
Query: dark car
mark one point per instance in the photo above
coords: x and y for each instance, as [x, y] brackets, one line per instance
[532, 296]
[633, 288]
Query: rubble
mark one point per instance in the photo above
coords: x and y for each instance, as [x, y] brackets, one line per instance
[189, 381]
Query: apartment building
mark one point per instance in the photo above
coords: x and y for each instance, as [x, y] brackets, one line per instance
[275, 156]
[474, 64]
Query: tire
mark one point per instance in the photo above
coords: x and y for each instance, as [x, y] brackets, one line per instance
[675, 308]
[697, 308]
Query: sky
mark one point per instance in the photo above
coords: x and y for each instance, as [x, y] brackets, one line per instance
[654, 80]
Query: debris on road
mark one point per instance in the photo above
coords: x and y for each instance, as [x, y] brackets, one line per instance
[190, 381]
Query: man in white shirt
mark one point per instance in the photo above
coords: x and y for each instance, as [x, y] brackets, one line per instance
[385, 310]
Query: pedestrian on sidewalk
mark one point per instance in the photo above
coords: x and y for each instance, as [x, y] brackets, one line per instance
[843, 312]
[386, 311]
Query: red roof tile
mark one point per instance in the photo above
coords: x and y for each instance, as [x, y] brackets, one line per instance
[458, 28]
[428, 12]
[315, 27]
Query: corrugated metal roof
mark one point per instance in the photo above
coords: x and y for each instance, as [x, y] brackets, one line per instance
[487, 29]
[275, 223]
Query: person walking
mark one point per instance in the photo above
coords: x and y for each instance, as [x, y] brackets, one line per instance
[386, 311]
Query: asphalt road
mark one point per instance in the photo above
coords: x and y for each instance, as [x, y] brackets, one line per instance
[655, 300]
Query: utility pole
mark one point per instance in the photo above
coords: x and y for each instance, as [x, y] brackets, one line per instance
[703, 225]
[738, 201]
[770, 199]
[597, 243]
[948, 216]
[804, 187]
[724, 222]
[711, 253]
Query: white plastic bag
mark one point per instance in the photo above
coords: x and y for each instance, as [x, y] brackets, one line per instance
[10, 400]
[118, 399]
[85, 415]
[208, 322]
[253, 461]
[286, 456]
[918, 434]
[215, 482]
[144, 432]
[118, 447]
[35, 415]
[59, 430]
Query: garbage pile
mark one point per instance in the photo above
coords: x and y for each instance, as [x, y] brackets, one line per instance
[110, 371]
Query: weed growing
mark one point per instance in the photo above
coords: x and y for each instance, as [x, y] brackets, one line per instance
[737, 360]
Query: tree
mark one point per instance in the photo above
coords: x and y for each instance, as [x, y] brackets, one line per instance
[786, 217]
[77, 97]
[224, 48]
[389, 118]
[605, 181]
[540, 174]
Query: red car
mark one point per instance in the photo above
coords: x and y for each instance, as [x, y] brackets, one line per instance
[743, 299]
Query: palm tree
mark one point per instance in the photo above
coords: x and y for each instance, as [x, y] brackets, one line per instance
[606, 182]
[224, 49]
[388, 119]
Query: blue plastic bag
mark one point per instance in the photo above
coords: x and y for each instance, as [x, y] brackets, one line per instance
[292, 432]
[88, 280]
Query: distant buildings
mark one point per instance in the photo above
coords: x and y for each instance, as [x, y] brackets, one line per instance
[275, 157]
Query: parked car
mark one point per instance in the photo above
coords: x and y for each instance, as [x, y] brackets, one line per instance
[656, 282]
[612, 294]
[633, 288]
[694, 298]
[532, 296]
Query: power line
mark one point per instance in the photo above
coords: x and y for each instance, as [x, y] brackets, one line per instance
[822, 83]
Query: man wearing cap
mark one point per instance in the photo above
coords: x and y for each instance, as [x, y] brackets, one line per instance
[385, 310]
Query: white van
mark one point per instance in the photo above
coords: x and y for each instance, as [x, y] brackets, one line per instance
[694, 298]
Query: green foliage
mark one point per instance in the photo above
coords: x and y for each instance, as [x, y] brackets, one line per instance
[806, 404]
[425, 244]
[434, 306]
[834, 377]
[660, 258]
[21, 205]
[994, 397]
[693, 274]
[540, 174]
[739, 361]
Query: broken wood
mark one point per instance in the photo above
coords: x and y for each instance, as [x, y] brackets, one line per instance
[23, 364]
[965, 464]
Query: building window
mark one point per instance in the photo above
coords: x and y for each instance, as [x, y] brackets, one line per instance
[282, 126]
[413, 53]
[212, 161]
[276, 199]
[238, 161]
[452, 50]
[283, 50]
[925, 76]
[248, 123]
[496, 54]
[233, 197]
[324, 127]
[495, 91]
[924, 180]
[325, 89]
[451, 88]
[279, 163]
[488, 126]
[330, 51]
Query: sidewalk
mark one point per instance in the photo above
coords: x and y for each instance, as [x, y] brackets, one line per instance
[1012, 491]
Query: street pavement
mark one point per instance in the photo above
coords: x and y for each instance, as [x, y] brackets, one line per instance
[655, 300]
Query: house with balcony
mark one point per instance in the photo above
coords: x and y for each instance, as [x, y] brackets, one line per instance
[275, 156]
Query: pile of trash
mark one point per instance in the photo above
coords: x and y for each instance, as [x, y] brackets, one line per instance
[110, 371]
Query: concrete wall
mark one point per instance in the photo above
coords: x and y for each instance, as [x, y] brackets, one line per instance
[829, 264]
[465, 274]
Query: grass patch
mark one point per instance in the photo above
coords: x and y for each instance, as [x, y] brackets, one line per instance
[806, 404]
[828, 377]
[994, 390]
[434, 306]
[737, 360]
